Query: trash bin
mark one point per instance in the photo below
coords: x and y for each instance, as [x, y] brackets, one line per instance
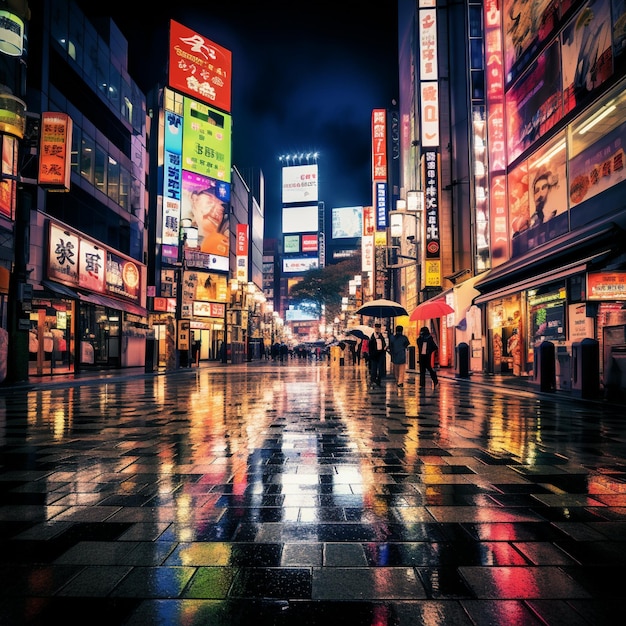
[544, 372]
[462, 361]
[586, 368]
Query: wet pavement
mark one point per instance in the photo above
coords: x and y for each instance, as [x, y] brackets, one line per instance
[289, 493]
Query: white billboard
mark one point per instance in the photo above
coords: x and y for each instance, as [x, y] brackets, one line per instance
[300, 184]
[301, 219]
[300, 264]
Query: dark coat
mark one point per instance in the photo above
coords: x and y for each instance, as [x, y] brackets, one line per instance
[431, 346]
[398, 344]
[375, 353]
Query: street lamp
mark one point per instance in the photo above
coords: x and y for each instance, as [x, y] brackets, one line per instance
[184, 299]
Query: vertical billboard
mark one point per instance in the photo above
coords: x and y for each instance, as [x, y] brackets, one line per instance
[379, 145]
[54, 150]
[432, 236]
[429, 73]
[172, 184]
[199, 68]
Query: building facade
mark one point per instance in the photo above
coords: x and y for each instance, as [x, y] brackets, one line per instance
[80, 206]
[535, 179]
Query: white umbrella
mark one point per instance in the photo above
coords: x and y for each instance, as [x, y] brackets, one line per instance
[381, 308]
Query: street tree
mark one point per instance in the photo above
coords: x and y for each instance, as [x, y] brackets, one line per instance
[324, 287]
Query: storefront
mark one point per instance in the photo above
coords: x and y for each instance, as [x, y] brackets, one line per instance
[552, 295]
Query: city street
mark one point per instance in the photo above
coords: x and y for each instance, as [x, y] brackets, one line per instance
[276, 493]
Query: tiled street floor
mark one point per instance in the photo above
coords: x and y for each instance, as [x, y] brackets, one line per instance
[279, 494]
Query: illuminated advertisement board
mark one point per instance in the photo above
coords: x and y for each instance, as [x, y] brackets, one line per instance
[206, 140]
[380, 197]
[205, 202]
[431, 209]
[291, 244]
[533, 104]
[54, 150]
[299, 264]
[347, 222]
[310, 243]
[429, 74]
[379, 145]
[302, 219]
[9, 168]
[80, 262]
[172, 184]
[198, 67]
[300, 184]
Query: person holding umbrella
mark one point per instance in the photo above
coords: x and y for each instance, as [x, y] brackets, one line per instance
[378, 355]
[426, 347]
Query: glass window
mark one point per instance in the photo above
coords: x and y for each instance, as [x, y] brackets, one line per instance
[76, 142]
[126, 103]
[124, 200]
[475, 20]
[90, 57]
[102, 69]
[87, 157]
[100, 176]
[113, 92]
[113, 180]
[598, 121]
[76, 44]
[58, 23]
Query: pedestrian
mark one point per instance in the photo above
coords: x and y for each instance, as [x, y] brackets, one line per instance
[378, 356]
[426, 347]
[398, 343]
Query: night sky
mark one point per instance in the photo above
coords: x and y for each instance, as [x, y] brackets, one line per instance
[306, 77]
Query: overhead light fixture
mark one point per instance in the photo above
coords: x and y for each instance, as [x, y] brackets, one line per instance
[598, 118]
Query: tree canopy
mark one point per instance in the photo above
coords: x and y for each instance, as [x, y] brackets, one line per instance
[325, 287]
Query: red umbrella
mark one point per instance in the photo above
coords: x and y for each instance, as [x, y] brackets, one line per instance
[430, 309]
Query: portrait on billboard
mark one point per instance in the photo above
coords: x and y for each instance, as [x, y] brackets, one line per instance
[539, 188]
[205, 202]
[527, 25]
[587, 52]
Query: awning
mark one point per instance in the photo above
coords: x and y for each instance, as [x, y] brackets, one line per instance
[113, 303]
[60, 290]
[561, 257]
[532, 283]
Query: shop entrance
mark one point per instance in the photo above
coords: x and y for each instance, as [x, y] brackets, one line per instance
[51, 337]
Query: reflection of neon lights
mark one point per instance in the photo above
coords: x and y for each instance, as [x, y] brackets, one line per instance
[559, 146]
[591, 123]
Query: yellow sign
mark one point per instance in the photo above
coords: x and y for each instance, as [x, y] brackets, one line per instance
[432, 269]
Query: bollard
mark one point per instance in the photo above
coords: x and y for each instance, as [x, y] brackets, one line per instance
[586, 368]
[545, 366]
[462, 360]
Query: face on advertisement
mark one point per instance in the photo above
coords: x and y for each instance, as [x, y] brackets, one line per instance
[208, 212]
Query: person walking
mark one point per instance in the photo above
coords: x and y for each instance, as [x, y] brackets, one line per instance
[398, 343]
[378, 356]
[426, 347]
